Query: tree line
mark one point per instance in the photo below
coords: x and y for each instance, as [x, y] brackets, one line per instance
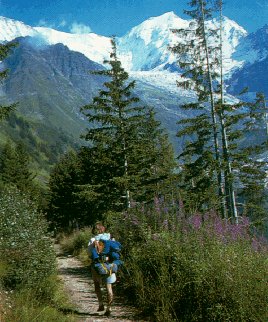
[127, 157]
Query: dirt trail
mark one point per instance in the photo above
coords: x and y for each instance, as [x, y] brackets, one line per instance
[79, 285]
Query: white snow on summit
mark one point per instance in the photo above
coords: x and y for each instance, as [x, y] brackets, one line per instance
[10, 29]
[145, 47]
[160, 25]
[232, 34]
[143, 51]
[95, 47]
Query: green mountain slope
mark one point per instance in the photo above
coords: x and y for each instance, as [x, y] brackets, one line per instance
[50, 84]
[44, 82]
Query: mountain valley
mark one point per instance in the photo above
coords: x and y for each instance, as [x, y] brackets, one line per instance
[49, 72]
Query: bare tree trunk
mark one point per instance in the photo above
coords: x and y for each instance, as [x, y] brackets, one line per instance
[126, 173]
[214, 119]
[229, 189]
[127, 192]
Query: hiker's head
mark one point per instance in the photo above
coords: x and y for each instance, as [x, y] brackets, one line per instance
[99, 228]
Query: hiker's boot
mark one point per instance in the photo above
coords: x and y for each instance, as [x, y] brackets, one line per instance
[108, 312]
[101, 308]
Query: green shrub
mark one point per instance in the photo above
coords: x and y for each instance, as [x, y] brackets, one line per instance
[25, 248]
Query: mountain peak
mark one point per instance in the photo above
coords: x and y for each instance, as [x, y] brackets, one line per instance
[233, 24]
[168, 16]
[11, 29]
[94, 47]
[168, 19]
[160, 25]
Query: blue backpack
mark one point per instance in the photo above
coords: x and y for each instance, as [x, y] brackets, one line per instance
[108, 261]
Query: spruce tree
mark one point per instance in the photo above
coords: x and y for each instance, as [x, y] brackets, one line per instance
[63, 209]
[197, 177]
[8, 164]
[15, 167]
[123, 143]
[156, 160]
[196, 56]
[201, 58]
[247, 133]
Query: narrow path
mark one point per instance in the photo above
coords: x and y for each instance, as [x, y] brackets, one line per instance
[79, 285]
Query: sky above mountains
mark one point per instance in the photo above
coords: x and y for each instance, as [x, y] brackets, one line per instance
[116, 17]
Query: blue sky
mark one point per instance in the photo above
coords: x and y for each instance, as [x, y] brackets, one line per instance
[116, 17]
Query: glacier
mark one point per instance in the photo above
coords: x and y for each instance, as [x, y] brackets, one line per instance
[144, 50]
[145, 47]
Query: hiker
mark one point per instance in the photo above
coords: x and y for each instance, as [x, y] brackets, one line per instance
[105, 261]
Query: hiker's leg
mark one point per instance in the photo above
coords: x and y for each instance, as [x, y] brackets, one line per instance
[99, 295]
[109, 288]
[97, 284]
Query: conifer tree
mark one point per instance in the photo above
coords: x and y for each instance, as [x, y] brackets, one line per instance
[200, 74]
[63, 209]
[8, 164]
[157, 165]
[15, 167]
[197, 179]
[249, 142]
[123, 142]
[201, 58]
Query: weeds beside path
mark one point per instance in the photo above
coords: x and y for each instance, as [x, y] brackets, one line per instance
[79, 285]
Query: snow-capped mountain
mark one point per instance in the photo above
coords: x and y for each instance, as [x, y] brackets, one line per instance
[145, 47]
[11, 29]
[252, 52]
[144, 51]
[94, 47]
[51, 78]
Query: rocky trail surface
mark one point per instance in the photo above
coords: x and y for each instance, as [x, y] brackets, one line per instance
[79, 286]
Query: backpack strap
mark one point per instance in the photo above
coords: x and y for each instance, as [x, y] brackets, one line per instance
[108, 271]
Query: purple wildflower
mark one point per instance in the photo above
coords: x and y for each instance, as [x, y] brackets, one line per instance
[135, 221]
[196, 221]
[165, 224]
[166, 210]
[157, 205]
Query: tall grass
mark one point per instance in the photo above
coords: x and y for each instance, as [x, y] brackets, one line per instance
[24, 306]
[200, 268]
[76, 241]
